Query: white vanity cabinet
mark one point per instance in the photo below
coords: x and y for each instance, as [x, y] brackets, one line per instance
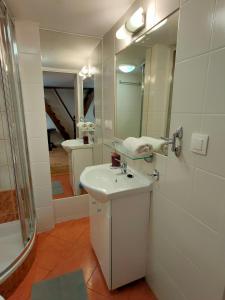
[80, 157]
[119, 229]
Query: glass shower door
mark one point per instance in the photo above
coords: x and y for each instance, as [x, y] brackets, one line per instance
[14, 127]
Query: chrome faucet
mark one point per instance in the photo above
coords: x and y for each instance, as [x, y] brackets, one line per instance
[123, 166]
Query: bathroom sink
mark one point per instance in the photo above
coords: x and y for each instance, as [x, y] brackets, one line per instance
[105, 183]
[70, 145]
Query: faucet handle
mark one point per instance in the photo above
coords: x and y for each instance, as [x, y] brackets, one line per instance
[155, 174]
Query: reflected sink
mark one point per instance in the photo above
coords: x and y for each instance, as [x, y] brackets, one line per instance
[105, 183]
[70, 145]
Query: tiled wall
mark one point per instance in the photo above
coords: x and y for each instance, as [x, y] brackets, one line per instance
[187, 229]
[6, 171]
[28, 39]
[8, 206]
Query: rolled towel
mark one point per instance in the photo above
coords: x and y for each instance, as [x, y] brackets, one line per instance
[158, 145]
[137, 146]
[90, 125]
[82, 126]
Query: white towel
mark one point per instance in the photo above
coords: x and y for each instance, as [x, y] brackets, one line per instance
[82, 125]
[137, 146]
[158, 145]
[90, 125]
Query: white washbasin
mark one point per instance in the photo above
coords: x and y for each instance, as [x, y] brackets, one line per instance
[105, 183]
[70, 145]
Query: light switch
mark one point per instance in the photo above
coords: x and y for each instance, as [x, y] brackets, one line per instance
[199, 143]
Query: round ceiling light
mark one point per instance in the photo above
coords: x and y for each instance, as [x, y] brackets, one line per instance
[127, 68]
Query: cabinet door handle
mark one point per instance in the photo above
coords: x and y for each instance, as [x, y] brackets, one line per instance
[93, 202]
[99, 210]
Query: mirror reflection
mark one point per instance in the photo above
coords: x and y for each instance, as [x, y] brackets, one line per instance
[88, 100]
[70, 108]
[144, 72]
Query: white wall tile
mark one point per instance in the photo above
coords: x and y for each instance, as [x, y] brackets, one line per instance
[195, 27]
[161, 282]
[189, 278]
[4, 131]
[218, 39]
[2, 99]
[189, 82]
[42, 196]
[1, 127]
[40, 174]
[30, 68]
[208, 201]
[28, 38]
[3, 149]
[195, 240]
[5, 182]
[165, 7]
[213, 125]
[27, 34]
[71, 208]
[33, 97]
[178, 181]
[36, 125]
[215, 88]
[190, 123]
[45, 218]
[38, 149]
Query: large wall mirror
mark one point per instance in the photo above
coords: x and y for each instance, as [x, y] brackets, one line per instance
[69, 93]
[144, 82]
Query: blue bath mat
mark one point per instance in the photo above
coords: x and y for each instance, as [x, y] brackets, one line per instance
[70, 286]
[57, 188]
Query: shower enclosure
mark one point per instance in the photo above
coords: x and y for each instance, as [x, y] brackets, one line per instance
[17, 216]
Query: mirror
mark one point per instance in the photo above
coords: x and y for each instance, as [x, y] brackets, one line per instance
[144, 82]
[88, 100]
[69, 98]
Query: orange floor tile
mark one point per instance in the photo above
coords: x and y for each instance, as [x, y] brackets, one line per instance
[67, 248]
[65, 181]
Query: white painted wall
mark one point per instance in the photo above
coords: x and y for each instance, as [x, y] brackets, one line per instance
[27, 35]
[187, 229]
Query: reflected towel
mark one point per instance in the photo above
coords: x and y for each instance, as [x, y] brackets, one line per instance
[137, 146]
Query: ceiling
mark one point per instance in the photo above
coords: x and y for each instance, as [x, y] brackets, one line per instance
[64, 80]
[65, 51]
[55, 79]
[88, 17]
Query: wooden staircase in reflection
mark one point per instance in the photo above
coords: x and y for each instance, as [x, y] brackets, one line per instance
[57, 122]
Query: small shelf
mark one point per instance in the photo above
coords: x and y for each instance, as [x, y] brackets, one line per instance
[119, 148]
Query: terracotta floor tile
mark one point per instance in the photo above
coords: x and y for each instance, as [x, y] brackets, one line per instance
[23, 292]
[97, 283]
[67, 248]
[47, 259]
[95, 296]
[84, 260]
[51, 243]
[140, 290]
[70, 231]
